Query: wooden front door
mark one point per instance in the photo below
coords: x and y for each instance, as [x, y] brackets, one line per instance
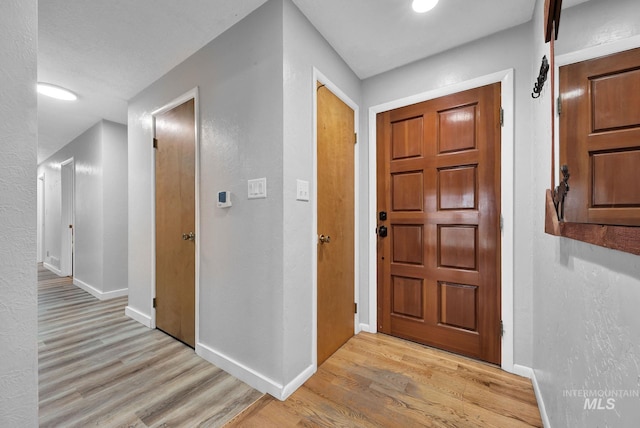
[336, 139]
[439, 188]
[175, 222]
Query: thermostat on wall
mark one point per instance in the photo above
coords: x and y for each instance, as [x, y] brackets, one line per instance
[224, 199]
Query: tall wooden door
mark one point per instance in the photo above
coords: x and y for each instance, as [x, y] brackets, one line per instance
[336, 139]
[175, 222]
[439, 207]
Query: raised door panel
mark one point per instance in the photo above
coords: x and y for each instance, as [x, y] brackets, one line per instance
[406, 138]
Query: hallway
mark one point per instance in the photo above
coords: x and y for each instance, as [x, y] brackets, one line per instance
[99, 368]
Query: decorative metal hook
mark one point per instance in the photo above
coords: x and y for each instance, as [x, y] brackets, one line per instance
[560, 192]
[542, 77]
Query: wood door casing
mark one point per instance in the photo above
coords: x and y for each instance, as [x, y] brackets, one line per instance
[175, 215]
[336, 139]
[439, 183]
[600, 139]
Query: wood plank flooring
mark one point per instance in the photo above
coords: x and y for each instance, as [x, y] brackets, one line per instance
[97, 367]
[381, 381]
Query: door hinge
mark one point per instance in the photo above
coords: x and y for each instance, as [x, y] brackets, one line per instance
[501, 223]
[355, 138]
[155, 143]
[501, 116]
[501, 329]
[355, 307]
[559, 105]
[154, 302]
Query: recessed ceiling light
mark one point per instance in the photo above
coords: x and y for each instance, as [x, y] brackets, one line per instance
[56, 92]
[422, 6]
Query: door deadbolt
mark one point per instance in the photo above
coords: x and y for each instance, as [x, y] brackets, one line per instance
[189, 236]
[382, 216]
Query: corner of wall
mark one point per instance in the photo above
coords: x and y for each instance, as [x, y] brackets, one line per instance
[540, 399]
[18, 139]
[252, 377]
[139, 316]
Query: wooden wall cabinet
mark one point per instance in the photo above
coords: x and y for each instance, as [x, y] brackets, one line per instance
[600, 144]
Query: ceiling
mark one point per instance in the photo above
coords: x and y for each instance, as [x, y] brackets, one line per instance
[108, 51]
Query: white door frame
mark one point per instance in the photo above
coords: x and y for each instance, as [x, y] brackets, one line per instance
[192, 94]
[319, 77]
[67, 211]
[505, 77]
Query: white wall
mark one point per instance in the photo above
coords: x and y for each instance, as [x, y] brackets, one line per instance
[114, 201]
[18, 139]
[586, 298]
[505, 50]
[100, 157]
[239, 76]
[256, 295]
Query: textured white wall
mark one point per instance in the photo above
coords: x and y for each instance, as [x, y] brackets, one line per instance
[507, 49]
[239, 75]
[586, 298]
[114, 239]
[304, 48]
[18, 139]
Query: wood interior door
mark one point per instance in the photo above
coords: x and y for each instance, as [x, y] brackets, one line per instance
[439, 186]
[336, 139]
[175, 222]
[600, 139]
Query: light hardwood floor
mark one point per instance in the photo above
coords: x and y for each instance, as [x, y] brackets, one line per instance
[380, 381]
[97, 367]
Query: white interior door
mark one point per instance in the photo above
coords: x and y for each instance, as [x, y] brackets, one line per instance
[68, 190]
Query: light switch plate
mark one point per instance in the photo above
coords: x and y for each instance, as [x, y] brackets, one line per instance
[302, 190]
[257, 188]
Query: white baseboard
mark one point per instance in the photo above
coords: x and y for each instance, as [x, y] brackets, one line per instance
[523, 371]
[541, 407]
[136, 315]
[296, 383]
[251, 377]
[99, 294]
[367, 328]
[52, 268]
